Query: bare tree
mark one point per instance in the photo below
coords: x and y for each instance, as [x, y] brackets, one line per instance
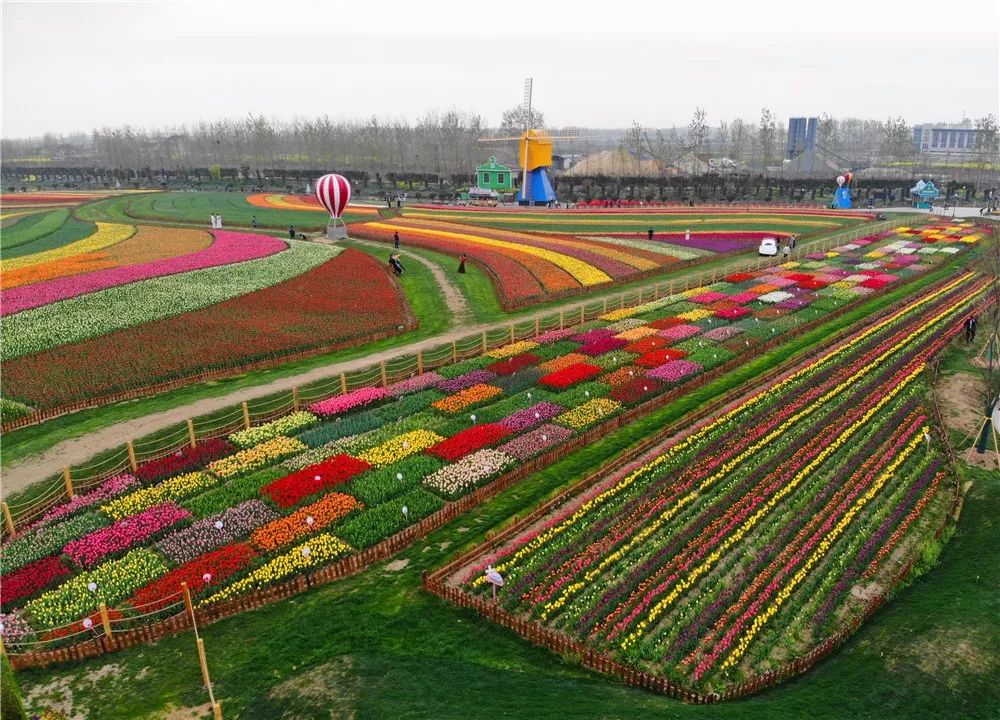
[765, 138]
[697, 131]
[517, 120]
[739, 134]
[722, 137]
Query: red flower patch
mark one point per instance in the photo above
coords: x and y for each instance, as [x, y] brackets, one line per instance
[659, 357]
[190, 458]
[799, 277]
[468, 441]
[664, 323]
[646, 344]
[874, 283]
[31, 579]
[219, 564]
[571, 375]
[635, 391]
[812, 284]
[513, 364]
[739, 277]
[732, 313]
[289, 490]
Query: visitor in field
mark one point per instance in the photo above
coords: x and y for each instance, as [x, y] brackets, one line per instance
[395, 264]
[649, 234]
[461, 264]
[785, 251]
[253, 222]
[792, 242]
[395, 240]
[218, 222]
[687, 236]
[212, 221]
[291, 232]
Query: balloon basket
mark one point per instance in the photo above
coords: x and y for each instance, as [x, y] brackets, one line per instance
[336, 231]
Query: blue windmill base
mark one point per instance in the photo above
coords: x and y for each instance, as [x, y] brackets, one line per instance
[540, 190]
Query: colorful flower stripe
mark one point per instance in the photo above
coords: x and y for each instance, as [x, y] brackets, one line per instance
[106, 234]
[213, 532]
[313, 479]
[475, 395]
[148, 244]
[258, 457]
[469, 440]
[110, 488]
[186, 459]
[202, 572]
[308, 519]
[468, 472]
[124, 534]
[315, 551]
[286, 425]
[349, 401]
[31, 580]
[176, 488]
[401, 447]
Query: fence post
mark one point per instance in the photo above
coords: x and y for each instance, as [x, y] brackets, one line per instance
[105, 620]
[656, 291]
[537, 333]
[246, 415]
[582, 315]
[192, 440]
[512, 332]
[381, 370]
[562, 319]
[343, 384]
[484, 341]
[8, 520]
[131, 456]
[295, 399]
[605, 306]
[68, 481]
[420, 362]
[189, 606]
[454, 352]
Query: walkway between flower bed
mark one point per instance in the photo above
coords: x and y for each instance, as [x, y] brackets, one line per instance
[79, 449]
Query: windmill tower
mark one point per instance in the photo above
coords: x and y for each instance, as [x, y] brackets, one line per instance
[534, 153]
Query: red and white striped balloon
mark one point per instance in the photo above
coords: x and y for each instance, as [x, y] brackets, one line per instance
[333, 192]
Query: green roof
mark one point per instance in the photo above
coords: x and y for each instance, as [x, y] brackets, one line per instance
[492, 165]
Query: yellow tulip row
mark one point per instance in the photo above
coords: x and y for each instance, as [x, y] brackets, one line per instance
[752, 521]
[315, 551]
[589, 506]
[821, 550]
[588, 413]
[400, 447]
[107, 234]
[175, 488]
[516, 348]
[256, 457]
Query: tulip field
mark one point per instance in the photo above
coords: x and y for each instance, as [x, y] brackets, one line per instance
[533, 257]
[237, 514]
[125, 307]
[746, 541]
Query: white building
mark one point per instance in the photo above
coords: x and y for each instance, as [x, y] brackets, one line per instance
[943, 138]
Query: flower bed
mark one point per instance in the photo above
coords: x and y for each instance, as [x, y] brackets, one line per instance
[587, 414]
[201, 573]
[287, 425]
[308, 519]
[469, 440]
[470, 471]
[470, 397]
[536, 442]
[265, 454]
[110, 488]
[211, 533]
[349, 401]
[127, 532]
[31, 579]
[291, 489]
[175, 488]
[570, 375]
[185, 460]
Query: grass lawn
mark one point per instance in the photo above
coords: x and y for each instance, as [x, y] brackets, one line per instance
[43, 231]
[195, 207]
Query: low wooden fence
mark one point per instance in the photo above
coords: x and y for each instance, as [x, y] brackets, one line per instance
[153, 631]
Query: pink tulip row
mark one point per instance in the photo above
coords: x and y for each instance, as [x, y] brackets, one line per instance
[129, 531]
[228, 248]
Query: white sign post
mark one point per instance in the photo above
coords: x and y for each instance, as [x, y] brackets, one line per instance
[495, 579]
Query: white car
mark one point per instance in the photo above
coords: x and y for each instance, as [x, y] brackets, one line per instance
[768, 246]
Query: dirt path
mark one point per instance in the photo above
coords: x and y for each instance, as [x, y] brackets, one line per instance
[960, 395]
[453, 297]
[77, 450]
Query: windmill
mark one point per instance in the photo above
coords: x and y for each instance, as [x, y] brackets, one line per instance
[534, 152]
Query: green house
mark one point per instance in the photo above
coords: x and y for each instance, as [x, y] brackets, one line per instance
[494, 176]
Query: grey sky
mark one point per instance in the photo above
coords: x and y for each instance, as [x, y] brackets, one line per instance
[73, 66]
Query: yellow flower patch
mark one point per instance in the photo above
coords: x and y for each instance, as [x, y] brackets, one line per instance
[637, 333]
[512, 349]
[257, 457]
[175, 488]
[400, 447]
[589, 413]
[696, 314]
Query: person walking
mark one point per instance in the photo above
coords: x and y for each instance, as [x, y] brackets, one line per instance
[687, 236]
[253, 222]
[211, 220]
[785, 251]
[649, 234]
[967, 325]
[461, 264]
[975, 326]
[395, 240]
[291, 232]
[793, 242]
[218, 222]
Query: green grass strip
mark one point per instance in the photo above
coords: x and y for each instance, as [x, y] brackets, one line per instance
[41, 232]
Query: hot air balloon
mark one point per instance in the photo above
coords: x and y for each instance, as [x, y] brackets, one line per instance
[840, 181]
[848, 177]
[334, 192]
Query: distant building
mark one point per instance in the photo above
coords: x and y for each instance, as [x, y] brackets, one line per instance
[942, 138]
[801, 135]
[494, 176]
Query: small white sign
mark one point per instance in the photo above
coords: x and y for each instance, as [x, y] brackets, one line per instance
[493, 577]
